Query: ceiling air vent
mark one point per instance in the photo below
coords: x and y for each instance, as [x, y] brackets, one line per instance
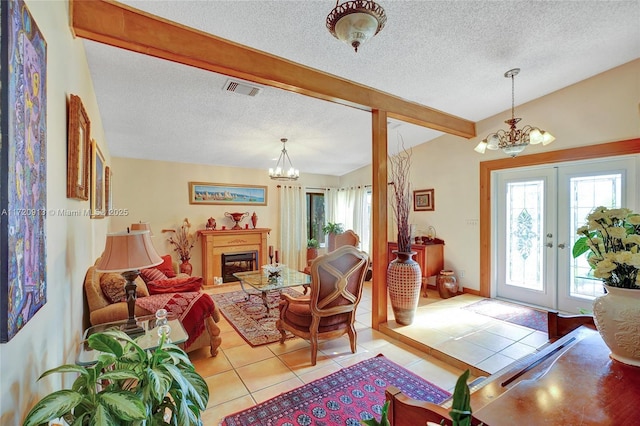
[242, 88]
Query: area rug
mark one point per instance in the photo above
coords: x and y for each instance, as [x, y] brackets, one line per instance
[343, 398]
[510, 312]
[250, 318]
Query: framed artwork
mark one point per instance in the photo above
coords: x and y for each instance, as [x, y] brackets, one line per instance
[97, 182]
[108, 192]
[225, 193]
[423, 200]
[78, 150]
[23, 168]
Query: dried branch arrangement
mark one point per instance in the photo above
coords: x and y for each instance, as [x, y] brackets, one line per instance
[399, 167]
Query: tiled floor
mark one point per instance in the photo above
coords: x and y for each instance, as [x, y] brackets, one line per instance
[442, 341]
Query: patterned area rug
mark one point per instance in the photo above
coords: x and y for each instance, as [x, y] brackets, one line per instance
[343, 398]
[511, 312]
[250, 317]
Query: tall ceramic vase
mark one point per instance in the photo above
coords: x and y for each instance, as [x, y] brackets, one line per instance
[617, 317]
[404, 280]
[186, 267]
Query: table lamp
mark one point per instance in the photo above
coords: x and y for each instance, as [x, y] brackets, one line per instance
[128, 252]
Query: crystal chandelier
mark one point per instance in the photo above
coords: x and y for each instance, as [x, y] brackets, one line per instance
[514, 141]
[354, 22]
[281, 172]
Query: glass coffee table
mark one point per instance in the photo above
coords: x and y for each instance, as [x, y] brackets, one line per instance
[259, 282]
[148, 341]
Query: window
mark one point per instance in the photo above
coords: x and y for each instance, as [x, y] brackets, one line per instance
[315, 216]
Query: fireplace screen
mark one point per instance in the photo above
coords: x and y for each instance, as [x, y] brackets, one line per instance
[238, 262]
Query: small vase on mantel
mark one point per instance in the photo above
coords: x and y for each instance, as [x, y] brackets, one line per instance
[254, 220]
[404, 280]
[617, 318]
[186, 267]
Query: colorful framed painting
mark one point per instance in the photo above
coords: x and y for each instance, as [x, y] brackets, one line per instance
[97, 182]
[226, 193]
[423, 200]
[108, 191]
[23, 168]
[78, 150]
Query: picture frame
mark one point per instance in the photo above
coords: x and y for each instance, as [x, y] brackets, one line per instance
[97, 182]
[108, 191]
[424, 200]
[225, 193]
[23, 169]
[78, 150]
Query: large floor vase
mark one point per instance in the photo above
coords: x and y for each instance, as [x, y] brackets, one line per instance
[404, 280]
[617, 317]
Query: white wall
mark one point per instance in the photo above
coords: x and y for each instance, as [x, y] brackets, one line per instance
[604, 108]
[49, 339]
[158, 192]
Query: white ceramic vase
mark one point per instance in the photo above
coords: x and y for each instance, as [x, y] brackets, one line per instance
[617, 317]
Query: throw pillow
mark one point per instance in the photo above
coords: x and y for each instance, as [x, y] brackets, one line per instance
[166, 267]
[112, 286]
[175, 285]
[152, 274]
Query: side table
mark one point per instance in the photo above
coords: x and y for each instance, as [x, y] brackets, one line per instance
[148, 341]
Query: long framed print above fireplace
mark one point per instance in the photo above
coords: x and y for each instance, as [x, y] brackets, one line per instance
[227, 193]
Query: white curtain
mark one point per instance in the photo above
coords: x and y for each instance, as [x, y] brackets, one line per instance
[352, 211]
[331, 205]
[293, 227]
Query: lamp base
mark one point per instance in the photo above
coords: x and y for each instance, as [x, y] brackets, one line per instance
[132, 330]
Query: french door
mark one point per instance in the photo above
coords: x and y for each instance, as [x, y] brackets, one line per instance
[538, 211]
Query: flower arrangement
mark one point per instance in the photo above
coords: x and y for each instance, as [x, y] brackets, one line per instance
[399, 166]
[612, 238]
[183, 241]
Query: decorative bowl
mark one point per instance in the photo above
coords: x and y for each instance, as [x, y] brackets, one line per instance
[273, 270]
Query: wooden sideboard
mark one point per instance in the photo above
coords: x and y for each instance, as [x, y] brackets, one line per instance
[430, 257]
[215, 243]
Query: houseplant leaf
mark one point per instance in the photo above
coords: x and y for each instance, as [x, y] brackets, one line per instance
[126, 405]
[53, 406]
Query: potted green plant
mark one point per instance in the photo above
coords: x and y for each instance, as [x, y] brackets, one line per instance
[611, 239]
[312, 249]
[332, 229]
[404, 277]
[127, 386]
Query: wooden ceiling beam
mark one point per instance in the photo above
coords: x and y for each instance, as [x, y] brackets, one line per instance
[122, 26]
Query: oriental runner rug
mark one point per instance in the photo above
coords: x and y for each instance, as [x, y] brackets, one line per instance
[343, 398]
[511, 312]
[250, 318]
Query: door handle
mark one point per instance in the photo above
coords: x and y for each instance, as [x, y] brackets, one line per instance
[561, 245]
[549, 244]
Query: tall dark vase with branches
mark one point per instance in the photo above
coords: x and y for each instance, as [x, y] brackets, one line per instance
[404, 277]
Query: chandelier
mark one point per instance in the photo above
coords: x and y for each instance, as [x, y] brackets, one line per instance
[514, 141]
[281, 171]
[356, 21]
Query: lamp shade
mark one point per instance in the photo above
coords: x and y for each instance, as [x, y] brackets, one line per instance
[142, 226]
[127, 251]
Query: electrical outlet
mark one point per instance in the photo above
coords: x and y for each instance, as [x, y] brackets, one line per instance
[462, 272]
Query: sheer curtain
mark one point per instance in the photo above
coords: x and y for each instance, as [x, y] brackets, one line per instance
[293, 226]
[352, 210]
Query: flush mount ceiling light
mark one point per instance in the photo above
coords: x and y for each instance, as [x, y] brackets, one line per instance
[281, 171]
[356, 21]
[514, 141]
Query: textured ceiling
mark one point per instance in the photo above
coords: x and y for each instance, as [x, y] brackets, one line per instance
[448, 55]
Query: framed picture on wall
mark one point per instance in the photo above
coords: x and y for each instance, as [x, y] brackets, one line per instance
[97, 182]
[423, 200]
[108, 191]
[226, 193]
[78, 150]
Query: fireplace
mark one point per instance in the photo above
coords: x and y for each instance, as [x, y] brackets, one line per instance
[238, 262]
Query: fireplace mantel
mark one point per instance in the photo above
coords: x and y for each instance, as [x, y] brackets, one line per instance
[215, 242]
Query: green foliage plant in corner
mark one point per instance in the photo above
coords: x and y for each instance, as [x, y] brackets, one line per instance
[312, 243]
[332, 228]
[127, 386]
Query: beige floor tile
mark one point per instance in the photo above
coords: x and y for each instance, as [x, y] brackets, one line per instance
[320, 372]
[510, 331]
[231, 339]
[488, 340]
[243, 355]
[494, 363]
[437, 372]
[233, 388]
[358, 357]
[275, 390]
[224, 326]
[536, 339]
[517, 350]
[465, 351]
[214, 415]
[289, 345]
[212, 365]
[300, 361]
[372, 339]
[401, 354]
[262, 374]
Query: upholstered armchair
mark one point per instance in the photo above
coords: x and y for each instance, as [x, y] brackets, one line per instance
[329, 310]
[347, 238]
